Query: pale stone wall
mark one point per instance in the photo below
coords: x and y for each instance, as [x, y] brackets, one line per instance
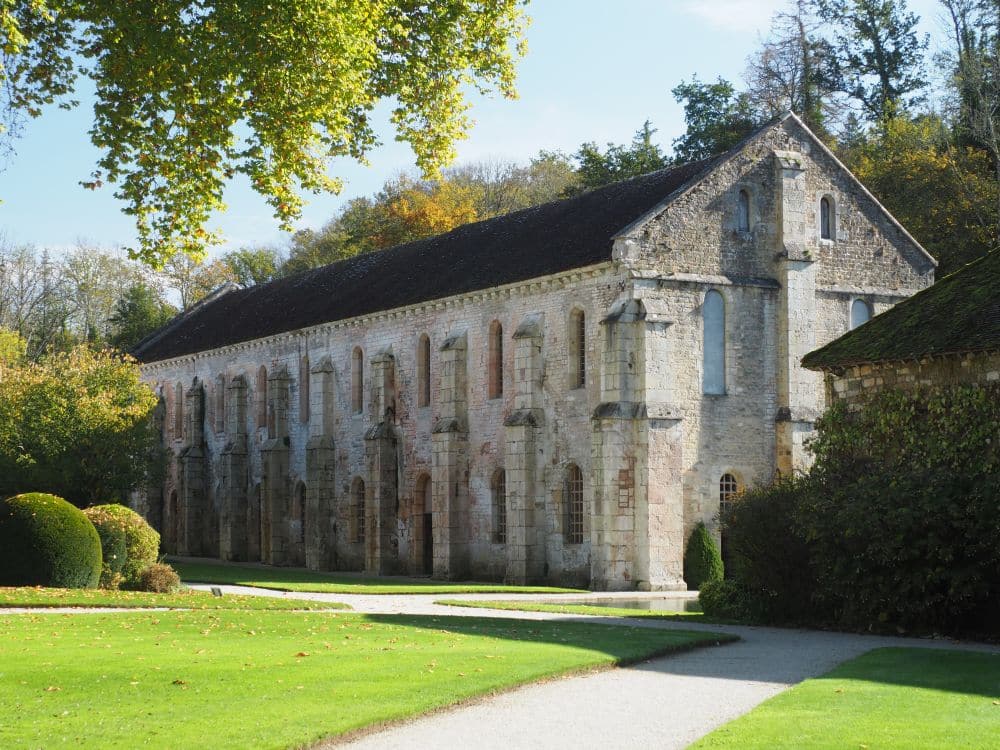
[860, 381]
[651, 445]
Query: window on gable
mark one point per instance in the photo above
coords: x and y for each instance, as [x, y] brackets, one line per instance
[743, 211]
[574, 505]
[498, 489]
[358, 510]
[424, 371]
[826, 218]
[861, 313]
[714, 344]
[495, 366]
[578, 349]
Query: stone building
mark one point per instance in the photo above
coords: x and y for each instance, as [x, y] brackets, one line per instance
[946, 335]
[558, 394]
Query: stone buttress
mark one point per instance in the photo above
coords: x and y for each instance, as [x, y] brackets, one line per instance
[382, 503]
[450, 466]
[275, 487]
[525, 493]
[234, 523]
[320, 511]
[795, 261]
[637, 522]
[193, 504]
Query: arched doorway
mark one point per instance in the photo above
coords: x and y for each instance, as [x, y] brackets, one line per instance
[423, 526]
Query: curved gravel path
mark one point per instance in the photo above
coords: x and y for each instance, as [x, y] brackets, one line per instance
[663, 703]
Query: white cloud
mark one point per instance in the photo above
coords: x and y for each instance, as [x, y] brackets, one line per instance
[748, 16]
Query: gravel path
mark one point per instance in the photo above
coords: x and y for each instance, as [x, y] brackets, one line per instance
[662, 703]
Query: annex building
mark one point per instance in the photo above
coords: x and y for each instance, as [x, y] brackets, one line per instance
[558, 394]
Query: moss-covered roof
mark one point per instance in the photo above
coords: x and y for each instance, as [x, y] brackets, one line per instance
[957, 315]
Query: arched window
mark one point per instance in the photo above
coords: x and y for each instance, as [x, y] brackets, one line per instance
[498, 489]
[358, 509]
[861, 313]
[577, 349]
[424, 371]
[304, 389]
[714, 355]
[495, 365]
[826, 218]
[357, 381]
[574, 505]
[743, 211]
[179, 411]
[261, 393]
[220, 403]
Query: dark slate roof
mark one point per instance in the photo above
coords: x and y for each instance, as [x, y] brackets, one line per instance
[526, 244]
[957, 315]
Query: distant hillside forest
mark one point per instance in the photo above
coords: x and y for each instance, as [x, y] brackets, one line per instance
[921, 131]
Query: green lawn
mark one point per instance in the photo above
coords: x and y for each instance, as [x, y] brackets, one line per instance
[238, 679]
[297, 579]
[586, 609]
[899, 698]
[33, 596]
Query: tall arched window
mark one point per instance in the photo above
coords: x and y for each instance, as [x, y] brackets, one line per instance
[495, 365]
[357, 380]
[498, 489]
[574, 505]
[743, 211]
[220, 403]
[424, 371]
[861, 313]
[423, 525]
[179, 411]
[826, 218]
[577, 349]
[261, 392]
[714, 355]
[358, 510]
[304, 389]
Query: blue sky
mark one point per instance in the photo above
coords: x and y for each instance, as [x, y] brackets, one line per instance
[595, 70]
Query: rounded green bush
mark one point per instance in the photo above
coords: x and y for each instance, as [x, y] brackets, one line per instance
[45, 541]
[702, 561]
[129, 543]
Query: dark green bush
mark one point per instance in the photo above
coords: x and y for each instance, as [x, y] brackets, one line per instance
[129, 544]
[158, 578]
[904, 522]
[768, 552]
[45, 541]
[702, 561]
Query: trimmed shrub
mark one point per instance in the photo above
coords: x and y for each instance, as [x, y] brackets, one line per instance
[728, 600]
[158, 578]
[45, 541]
[129, 544]
[702, 561]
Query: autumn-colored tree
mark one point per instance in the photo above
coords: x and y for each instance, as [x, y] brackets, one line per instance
[75, 424]
[944, 195]
[189, 94]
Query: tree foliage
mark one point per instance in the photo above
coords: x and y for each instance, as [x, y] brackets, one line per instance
[75, 424]
[136, 315]
[189, 94]
[619, 162]
[716, 117]
[702, 561]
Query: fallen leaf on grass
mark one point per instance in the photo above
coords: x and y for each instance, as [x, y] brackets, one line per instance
[179, 682]
[302, 653]
[52, 689]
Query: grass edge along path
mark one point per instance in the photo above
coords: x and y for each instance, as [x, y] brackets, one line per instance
[586, 609]
[299, 579]
[121, 681]
[900, 698]
[37, 597]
